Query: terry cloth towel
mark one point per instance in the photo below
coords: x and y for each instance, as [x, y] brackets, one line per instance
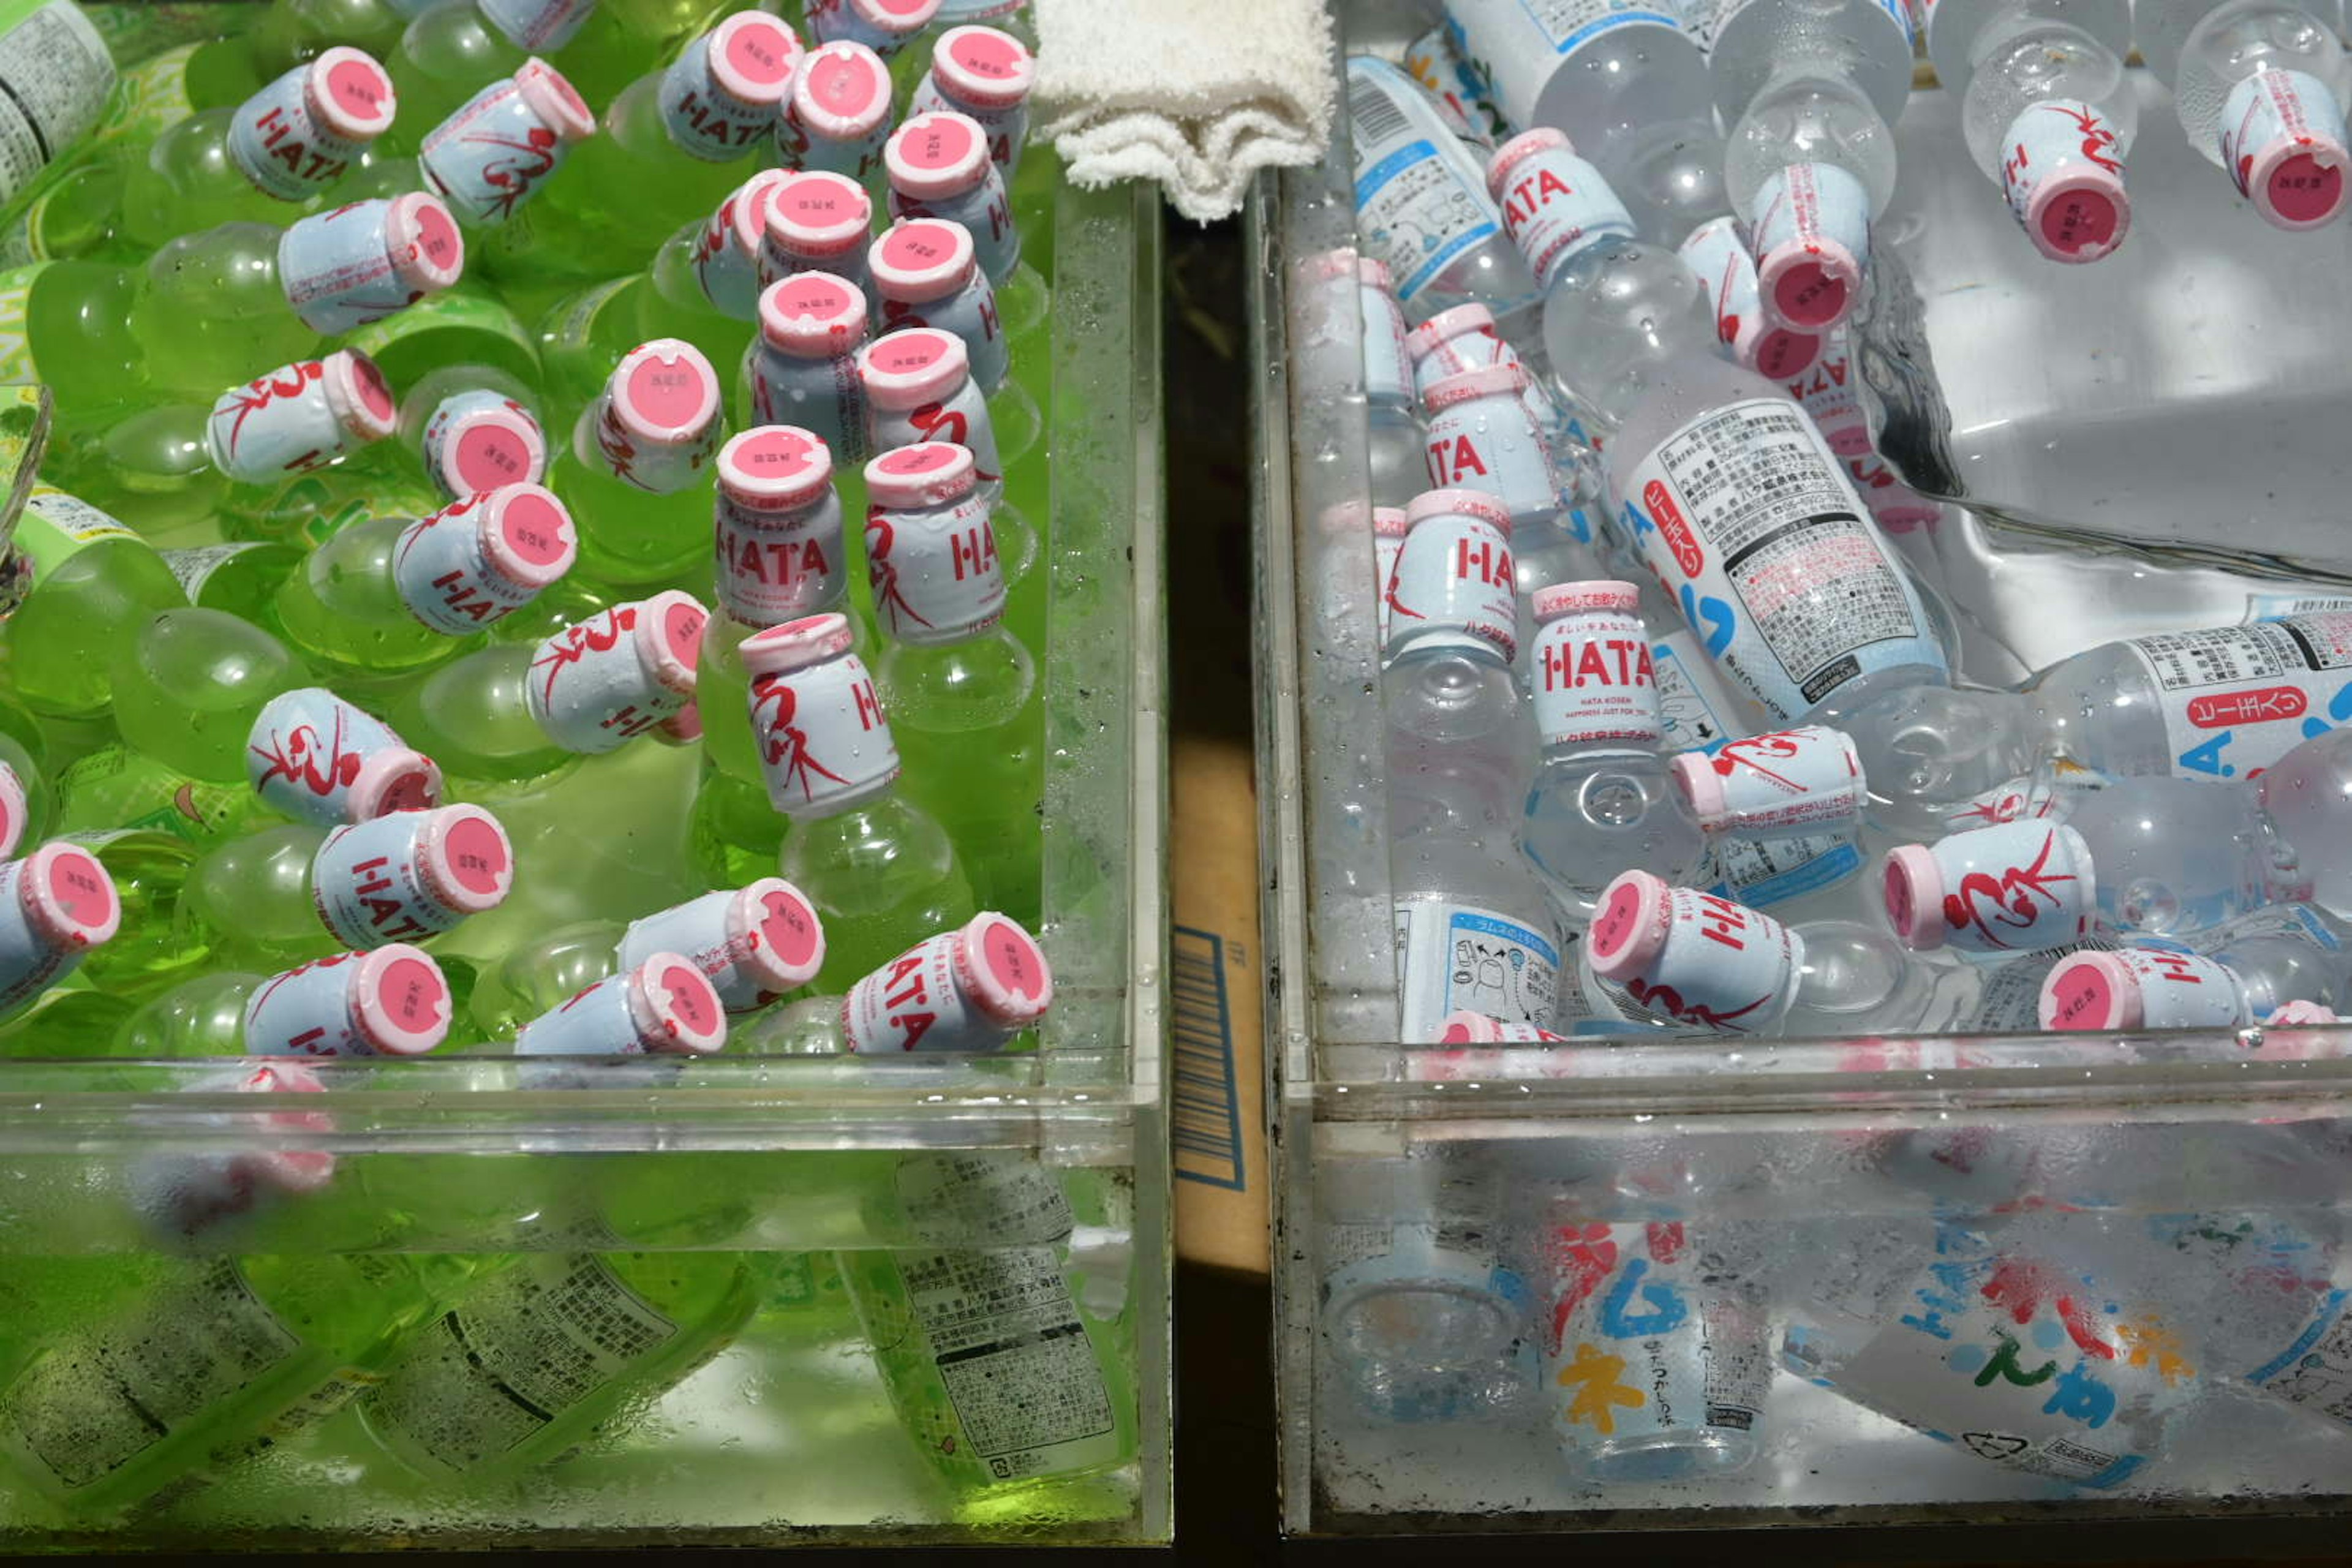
[1197, 94]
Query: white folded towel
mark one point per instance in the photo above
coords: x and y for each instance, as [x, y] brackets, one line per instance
[1197, 94]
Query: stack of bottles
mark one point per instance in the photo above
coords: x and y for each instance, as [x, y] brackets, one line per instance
[1677, 745]
[450, 404]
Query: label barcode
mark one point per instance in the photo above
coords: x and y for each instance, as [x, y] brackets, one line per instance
[1206, 1113]
[1372, 115]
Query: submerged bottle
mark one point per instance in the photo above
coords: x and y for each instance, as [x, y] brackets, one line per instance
[637, 468]
[2259, 88]
[972, 991]
[390, 1001]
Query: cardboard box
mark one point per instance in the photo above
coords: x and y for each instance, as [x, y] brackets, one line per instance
[1217, 1114]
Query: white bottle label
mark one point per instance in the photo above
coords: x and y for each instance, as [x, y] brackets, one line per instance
[935, 572]
[1761, 872]
[1786, 780]
[1490, 445]
[1453, 585]
[1812, 207]
[1388, 373]
[1747, 519]
[2315, 1371]
[1015, 1361]
[58, 76]
[1642, 1344]
[1420, 200]
[2274, 109]
[1555, 205]
[2177, 991]
[1692, 703]
[100, 1399]
[523, 1346]
[777, 567]
[1454, 958]
[2022, 887]
[1594, 681]
[2237, 698]
[1460, 96]
[2053, 138]
[1723, 966]
[2001, 1356]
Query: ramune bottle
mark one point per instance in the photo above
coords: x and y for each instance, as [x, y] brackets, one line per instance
[636, 471]
[92, 582]
[448, 54]
[971, 991]
[390, 1001]
[838, 117]
[803, 368]
[2259, 87]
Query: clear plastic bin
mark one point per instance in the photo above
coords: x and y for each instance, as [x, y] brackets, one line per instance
[1778, 1189]
[818, 1178]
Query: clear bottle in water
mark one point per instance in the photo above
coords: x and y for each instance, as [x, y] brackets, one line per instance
[1810, 92]
[1473, 927]
[2246, 971]
[1422, 205]
[1601, 800]
[2047, 111]
[2259, 87]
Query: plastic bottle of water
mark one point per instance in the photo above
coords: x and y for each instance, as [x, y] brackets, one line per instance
[390, 1001]
[2259, 88]
[2243, 971]
[1811, 93]
[1678, 955]
[1627, 84]
[94, 581]
[56, 905]
[1474, 928]
[974, 990]
[1422, 205]
[2047, 110]
[1601, 802]
[1399, 443]
[636, 471]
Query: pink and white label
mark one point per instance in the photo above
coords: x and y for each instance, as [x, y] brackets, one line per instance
[913, 1004]
[658, 421]
[2022, 887]
[778, 566]
[370, 884]
[1786, 780]
[309, 748]
[1718, 253]
[2236, 698]
[744, 941]
[31, 959]
[493, 155]
[446, 574]
[2062, 168]
[1475, 349]
[599, 683]
[317, 1010]
[2176, 991]
[1811, 237]
[1454, 584]
[1594, 681]
[2282, 143]
[283, 423]
[1388, 369]
[1489, 443]
[541, 26]
[982, 55]
[477, 440]
[279, 145]
[706, 117]
[824, 741]
[934, 571]
[345, 268]
[1723, 967]
[1557, 204]
[961, 418]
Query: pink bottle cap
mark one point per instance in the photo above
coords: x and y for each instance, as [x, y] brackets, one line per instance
[1002, 971]
[14, 812]
[933, 156]
[2296, 181]
[782, 941]
[2080, 213]
[1784, 354]
[399, 1001]
[1699, 784]
[928, 473]
[1391, 522]
[554, 100]
[795, 644]
[1374, 274]
[921, 259]
[1486, 381]
[1567, 598]
[747, 210]
[2092, 991]
[683, 728]
[465, 857]
[897, 16]
[427, 251]
[675, 1008]
[664, 393]
[349, 93]
[752, 55]
[842, 91]
[774, 467]
[68, 899]
[1808, 281]
[358, 395]
[527, 535]
[1630, 930]
[819, 213]
[2297, 1013]
[392, 778]
[488, 446]
[670, 638]
[983, 68]
[1458, 503]
[1914, 891]
[912, 366]
[812, 315]
[1517, 151]
[1444, 327]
